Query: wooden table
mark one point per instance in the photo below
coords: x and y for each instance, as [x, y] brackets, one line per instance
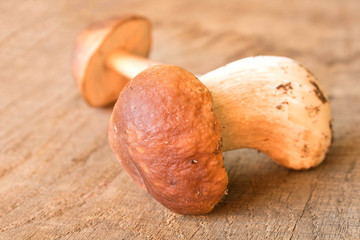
[59, 178]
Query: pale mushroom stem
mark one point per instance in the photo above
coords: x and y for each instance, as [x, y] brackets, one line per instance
[272, 104]
[128, 64]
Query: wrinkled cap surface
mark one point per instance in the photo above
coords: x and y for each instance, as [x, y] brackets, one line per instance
[167, 137]
[99, 84]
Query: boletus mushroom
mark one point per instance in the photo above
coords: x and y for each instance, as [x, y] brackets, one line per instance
[98, 49]
[167, 129]
[166, 135]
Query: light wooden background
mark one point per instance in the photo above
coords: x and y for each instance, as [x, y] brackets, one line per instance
[59, 178]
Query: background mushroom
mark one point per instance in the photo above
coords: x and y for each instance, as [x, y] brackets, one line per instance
[98, 49]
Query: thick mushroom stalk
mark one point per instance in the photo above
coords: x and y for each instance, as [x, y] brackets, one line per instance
[275, 105]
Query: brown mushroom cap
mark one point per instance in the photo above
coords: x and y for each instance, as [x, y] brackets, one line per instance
[166, 135]
[98, 84]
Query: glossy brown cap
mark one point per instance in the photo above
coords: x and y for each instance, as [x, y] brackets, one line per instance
[166, 135]
[99, 84]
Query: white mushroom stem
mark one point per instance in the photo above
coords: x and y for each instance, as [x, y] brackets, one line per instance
[272, 104]
[275, 105]
[127, 64]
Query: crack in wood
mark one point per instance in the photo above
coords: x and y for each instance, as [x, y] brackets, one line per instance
[303, 212]
[191, 237]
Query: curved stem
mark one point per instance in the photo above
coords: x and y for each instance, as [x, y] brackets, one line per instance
[272, 104]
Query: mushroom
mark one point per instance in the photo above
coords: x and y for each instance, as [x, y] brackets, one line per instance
[166, 135]
[98, 49]
[166, 132]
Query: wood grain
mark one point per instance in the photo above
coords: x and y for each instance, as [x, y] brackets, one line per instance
[59, 178]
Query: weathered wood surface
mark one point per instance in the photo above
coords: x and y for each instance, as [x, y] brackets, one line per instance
[59, 178]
